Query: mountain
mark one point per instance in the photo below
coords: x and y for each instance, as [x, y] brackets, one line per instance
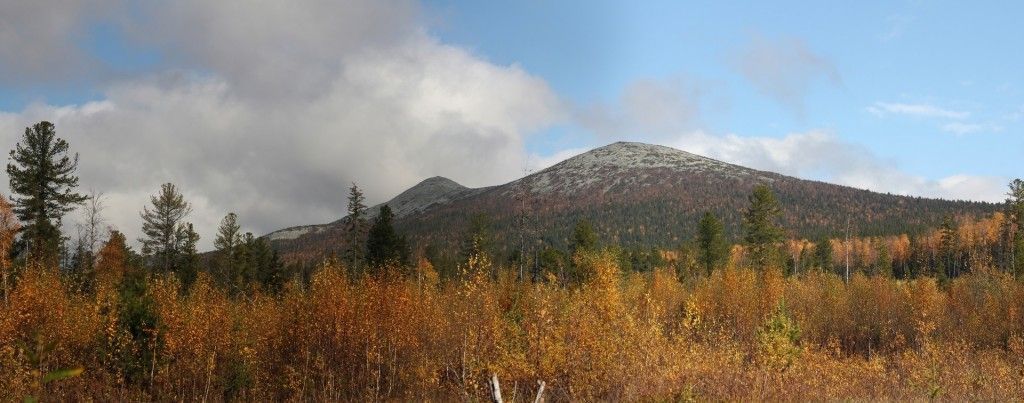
[633, 194]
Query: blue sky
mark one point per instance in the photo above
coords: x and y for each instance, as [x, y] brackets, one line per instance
[953, 56]
[273, 111]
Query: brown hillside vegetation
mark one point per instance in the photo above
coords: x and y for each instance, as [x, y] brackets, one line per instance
[734, 335]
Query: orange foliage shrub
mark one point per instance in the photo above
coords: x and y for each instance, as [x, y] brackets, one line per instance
[615, 336]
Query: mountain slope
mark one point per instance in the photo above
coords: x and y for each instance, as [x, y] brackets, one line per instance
[634, 194]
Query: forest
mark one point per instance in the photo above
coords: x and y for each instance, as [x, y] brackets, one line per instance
[933, 315]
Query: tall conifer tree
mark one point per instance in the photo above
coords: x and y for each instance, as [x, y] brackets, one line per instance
[355, 229]
[713, 250]
[384, 245]
[762, 233]
[42, 175]
[164, 229]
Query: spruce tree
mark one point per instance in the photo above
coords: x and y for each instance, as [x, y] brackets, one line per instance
[227, 244]
[823, 254]
[713, 250]
[42, 175]
[188, 269]
[762, 233]
[267, 269]
[884, 265]
[355, 229]
[165, 233]
[383, 245]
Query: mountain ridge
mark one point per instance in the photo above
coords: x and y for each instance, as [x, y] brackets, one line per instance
[635, 193]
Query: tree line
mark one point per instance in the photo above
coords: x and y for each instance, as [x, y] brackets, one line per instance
[42, 171]
[45, 188]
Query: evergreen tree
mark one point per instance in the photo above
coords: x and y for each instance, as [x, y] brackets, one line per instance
[713, 250]
[42, 174]
[583, 238]
[551, 261]
[266, 269]
[245, 264]
[884, 265]
[138, 318]
[384, 245]
[823, 254]
[227, 244]
[164, 231]
[188, 269]
[355, 230]
[1015, 227]
[478, 238]
[947, 248]
[762, 234]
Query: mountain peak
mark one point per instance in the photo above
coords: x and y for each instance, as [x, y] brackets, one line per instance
[627, 162]
[626, 154]
[438, 181]
[428, 192]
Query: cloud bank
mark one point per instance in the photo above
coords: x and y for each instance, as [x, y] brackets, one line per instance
[272, 112]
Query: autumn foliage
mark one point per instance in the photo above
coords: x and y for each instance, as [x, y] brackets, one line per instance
[734, 335]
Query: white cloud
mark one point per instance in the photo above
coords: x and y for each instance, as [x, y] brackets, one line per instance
[916, 110]
[823, 156]
[651, 108]
[271, 112]
[897, 26]
[784, 69]
[961, 128]
[538, 162]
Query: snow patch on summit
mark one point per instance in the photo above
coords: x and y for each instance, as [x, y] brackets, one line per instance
[626, 162]
[430, 192]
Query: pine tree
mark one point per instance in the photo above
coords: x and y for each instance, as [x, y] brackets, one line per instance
[42, 174]
[227, 244]
[163, 229]
[383, 245]
[355, 229]
[762, 234]
[713, 250]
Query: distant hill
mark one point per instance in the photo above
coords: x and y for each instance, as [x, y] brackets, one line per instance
[633, 194]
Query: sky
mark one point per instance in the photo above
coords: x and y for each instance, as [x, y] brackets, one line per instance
[273, 109]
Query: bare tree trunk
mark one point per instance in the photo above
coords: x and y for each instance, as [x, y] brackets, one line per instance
[495, 389]
[540, 392]
[847, 249]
